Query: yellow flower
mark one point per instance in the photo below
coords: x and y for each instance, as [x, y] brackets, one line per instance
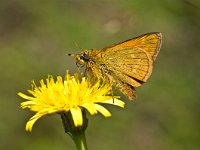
[72, 94]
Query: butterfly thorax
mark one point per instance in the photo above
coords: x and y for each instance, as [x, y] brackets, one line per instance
[92, 60]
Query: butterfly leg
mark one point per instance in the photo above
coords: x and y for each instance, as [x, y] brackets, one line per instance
[111, 88]
[108, 78]
[112, 94]
[85, 72]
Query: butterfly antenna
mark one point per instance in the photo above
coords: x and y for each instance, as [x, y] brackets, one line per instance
[78, 46]
[71, 54]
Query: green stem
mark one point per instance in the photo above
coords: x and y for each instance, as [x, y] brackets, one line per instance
[79, 140]
[76, 133]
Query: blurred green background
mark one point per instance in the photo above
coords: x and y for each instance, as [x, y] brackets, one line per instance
[35, 37]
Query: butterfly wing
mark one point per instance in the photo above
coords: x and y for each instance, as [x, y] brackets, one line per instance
[133, 58]
[131, 65]
[149, 42]
[127, 64]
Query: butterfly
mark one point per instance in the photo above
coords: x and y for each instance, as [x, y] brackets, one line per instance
[126, 65]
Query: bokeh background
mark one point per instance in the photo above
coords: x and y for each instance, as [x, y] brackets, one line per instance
[35, 37]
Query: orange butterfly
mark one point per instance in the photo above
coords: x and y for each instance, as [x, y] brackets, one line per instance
[126, 65]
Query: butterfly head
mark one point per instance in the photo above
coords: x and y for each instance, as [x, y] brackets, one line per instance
[81, 59]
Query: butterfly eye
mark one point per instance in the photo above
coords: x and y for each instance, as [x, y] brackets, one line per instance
[85, 57]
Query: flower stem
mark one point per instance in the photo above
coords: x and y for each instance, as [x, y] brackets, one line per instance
[76, 133]
[79, 140]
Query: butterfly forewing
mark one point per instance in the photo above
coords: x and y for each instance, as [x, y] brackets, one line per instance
[149, 42]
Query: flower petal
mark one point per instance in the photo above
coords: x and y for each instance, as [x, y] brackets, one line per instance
[32, 120]
[102, 110]
[115, 102]
[90, 107]
[77, 116]
[26, 97]
[27, 104]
